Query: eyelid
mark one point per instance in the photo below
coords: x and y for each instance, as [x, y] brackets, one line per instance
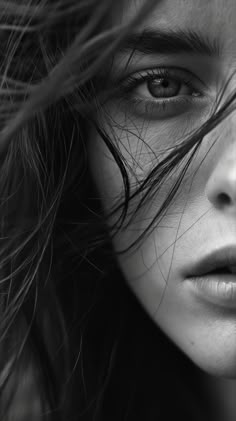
[170, 69]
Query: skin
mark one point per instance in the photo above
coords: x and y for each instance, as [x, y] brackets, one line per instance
[198, 221]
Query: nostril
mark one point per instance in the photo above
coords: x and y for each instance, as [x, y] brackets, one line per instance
[223, 200]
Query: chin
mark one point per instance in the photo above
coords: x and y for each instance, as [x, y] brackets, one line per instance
[211, 346]
[219, 363]
[224, 370]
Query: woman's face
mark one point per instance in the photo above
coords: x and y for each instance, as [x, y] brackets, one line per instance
[169, 86]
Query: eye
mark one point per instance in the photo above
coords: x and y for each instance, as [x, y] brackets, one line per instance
[159, 93]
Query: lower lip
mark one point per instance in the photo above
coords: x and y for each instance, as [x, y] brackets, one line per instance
[219, 289]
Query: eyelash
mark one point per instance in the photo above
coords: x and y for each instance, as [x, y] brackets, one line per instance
[161, 107]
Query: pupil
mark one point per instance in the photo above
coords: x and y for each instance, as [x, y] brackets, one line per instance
[165, 83]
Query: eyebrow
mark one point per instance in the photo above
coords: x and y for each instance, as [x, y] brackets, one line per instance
[154, 41]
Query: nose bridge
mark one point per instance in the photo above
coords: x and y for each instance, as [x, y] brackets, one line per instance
[221, 185]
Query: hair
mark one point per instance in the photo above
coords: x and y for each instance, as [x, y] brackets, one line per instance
[70, 329]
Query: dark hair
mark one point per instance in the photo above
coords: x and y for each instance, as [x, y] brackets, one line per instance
[70, 328]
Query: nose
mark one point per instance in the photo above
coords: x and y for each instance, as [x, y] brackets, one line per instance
[221, 185]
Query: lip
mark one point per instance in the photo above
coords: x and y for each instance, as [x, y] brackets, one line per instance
[217, 259]
[216, 289]
[206, 279]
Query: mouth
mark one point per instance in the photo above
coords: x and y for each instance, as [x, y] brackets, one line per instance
[213, 277]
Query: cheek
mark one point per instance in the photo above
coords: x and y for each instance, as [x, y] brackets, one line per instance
[141, 154]
[152, 259]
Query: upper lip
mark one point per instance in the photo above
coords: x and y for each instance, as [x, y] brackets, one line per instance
[218, 259]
